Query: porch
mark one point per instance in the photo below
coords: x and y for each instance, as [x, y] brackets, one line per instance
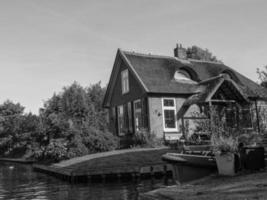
[219, 104]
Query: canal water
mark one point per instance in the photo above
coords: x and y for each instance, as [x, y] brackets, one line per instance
[19, 181]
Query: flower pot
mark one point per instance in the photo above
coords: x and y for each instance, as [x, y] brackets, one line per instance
[226, 164]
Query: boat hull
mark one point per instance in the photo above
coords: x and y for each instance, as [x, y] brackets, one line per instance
[187, 167]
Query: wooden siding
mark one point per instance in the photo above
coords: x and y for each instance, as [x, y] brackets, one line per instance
[113, 120]
[117, 98]
[135, 92]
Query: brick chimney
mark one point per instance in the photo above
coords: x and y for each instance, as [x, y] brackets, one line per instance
[180, 52]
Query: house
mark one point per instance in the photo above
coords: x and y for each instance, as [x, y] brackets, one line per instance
[161, 94]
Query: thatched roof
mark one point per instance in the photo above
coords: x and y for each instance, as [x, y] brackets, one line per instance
[157, 74]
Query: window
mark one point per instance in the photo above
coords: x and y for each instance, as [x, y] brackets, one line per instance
[121, 121]
[230, 118]
[182, 75]
[125, 81]
[138, 115]
[169, 114]
[246, 118]
[129, 106]
[262, 117]
[125, 125]
[168, 103]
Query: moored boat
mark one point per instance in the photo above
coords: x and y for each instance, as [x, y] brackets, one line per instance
[190, 159]
[187, 167]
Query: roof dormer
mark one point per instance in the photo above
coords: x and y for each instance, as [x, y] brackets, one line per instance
[182, 75]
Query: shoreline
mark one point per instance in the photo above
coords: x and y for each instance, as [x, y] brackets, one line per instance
[241, 186]
[18, 160]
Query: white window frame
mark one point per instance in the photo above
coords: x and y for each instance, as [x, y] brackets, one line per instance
[125, 81]
[163, 114]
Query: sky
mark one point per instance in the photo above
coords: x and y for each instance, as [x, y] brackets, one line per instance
[48, 44]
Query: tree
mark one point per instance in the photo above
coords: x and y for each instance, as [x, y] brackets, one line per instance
[95, 94]
[198, 53]
[16, 128]
[73, 101]
[262, 74]
[10, 120]
[71, 123]
[74, 123]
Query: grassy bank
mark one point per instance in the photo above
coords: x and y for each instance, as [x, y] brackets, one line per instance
[245, 186]
[130, 159]
[128, 162]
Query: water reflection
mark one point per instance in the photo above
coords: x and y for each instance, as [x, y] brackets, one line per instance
[21, 182]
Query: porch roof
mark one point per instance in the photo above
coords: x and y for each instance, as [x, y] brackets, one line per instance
[212, 89]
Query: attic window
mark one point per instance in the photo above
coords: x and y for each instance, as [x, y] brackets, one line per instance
[125, 81]
[180, 75]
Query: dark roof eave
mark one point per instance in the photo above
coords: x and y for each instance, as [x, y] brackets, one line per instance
[170, 93]
[254, 98]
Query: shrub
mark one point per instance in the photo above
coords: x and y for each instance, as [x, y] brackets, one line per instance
[77, 149]
[36, 151]
[224, 144]
[75, 145]
[223, 139]
[250, 138]
[147, 139]
[99, 141]
[56, 150]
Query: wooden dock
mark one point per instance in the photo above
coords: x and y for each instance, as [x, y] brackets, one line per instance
[107, 174]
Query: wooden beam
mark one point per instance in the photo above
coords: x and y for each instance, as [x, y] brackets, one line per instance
[211, 116]
[257, 116]
[183, 128]
[196, 118]
[222, 101]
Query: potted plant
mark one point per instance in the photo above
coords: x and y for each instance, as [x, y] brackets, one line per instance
[225, 149]
[224, 141]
